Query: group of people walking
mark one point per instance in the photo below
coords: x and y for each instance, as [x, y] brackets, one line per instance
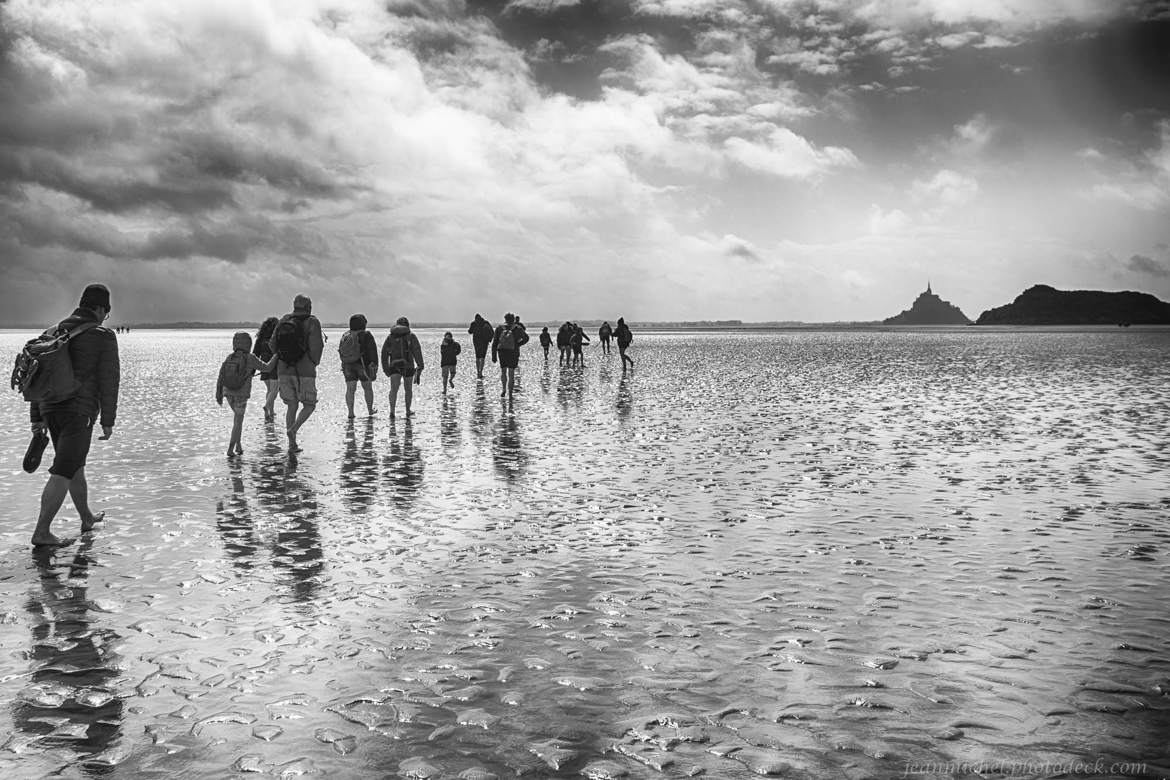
[286, 353]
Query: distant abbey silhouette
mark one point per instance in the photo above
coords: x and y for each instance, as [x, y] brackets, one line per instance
[929, 309]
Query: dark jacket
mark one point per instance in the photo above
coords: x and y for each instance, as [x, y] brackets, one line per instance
[96, 366]
[481, 332]
[545, 339]
[263, 350]
[518, 331]
[314, 346]
[414, 355]
[623, 335]
[604, 332]
[369, 347]
[449, 352]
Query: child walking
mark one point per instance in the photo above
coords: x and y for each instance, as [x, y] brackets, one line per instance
[449, 351]
[235, 384]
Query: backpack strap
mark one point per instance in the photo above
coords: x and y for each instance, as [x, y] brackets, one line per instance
[68, 335]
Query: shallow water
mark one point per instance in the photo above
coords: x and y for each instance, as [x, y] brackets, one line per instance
[811, 554]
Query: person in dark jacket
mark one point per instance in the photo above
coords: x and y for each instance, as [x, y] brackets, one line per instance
[402, 358]
[624, 337]
[506, 344]
[449, 351]
[563, 334]
[603, 334]
[545, 341]
[262, 349]
[298, 380]
[482, 334]
[94, 355]
[577, 338]
[365, 368]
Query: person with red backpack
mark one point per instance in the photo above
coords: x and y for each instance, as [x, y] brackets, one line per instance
[402, 358]
[359, 362]
[298, 343]
[235, 384]
[69, 418]
[506, 344]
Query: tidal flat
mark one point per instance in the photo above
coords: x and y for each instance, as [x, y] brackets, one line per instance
[805, 554]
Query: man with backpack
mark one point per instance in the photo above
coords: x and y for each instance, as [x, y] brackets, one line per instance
[402, 361]
[298, 343]
[481, 338]
[359, 362]
[69, 417]
[624, 338]
[506, 344]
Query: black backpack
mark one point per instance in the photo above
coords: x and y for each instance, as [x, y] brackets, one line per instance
[396, 354]
[289, 339]
[234, 371]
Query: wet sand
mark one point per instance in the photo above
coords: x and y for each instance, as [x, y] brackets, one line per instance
[801, 554]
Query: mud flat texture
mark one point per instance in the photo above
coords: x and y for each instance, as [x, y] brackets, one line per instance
[802, 555]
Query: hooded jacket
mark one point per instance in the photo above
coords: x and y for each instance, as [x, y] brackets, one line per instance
[414, 356]
[96, 366]
[481, 332]
[314, 346]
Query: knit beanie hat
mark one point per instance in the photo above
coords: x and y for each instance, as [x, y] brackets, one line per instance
[242, 340]
[96, 295]
[357, 322]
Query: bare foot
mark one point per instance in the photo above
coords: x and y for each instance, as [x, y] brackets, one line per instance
[47, 540]
[88, 522]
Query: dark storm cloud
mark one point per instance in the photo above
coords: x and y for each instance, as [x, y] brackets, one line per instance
[1143, 264]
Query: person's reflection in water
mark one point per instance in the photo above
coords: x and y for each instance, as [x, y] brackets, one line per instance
[449, 433]
[481, 414]
[359, 466]
[72, 700]
[625, 399]
[402, 466]
[233, 520]
[546, 379]
[570, 386]
[507, 449]
[296, 550]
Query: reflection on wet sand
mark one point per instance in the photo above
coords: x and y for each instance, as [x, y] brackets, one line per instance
[481, 413]
[508, 454]
[359, 466]
[450, 433]
[233, 520]
[625, 399]
[297, 555]
[71, 701]
[402, 465]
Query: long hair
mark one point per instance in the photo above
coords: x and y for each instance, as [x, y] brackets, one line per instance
[265, 333]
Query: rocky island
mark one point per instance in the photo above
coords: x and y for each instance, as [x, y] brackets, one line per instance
[1044, 305]
[929, 309]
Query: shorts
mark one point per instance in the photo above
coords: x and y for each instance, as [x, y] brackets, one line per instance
[509, 358]
[355, 372]
[481, 351]
[71, 434]
[448, 369]
[301, 389]
[406, 372]
[237, 403]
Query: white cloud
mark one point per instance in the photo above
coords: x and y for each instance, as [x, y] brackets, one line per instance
[885, 223]
[784, 153]
[946, 190]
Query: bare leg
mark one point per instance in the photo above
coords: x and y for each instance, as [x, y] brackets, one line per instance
[368, 392]
[237, 431]
[511, 381]
[79, 493]
[350, 392]
[409, 388]
[51, 499]
[503, 381]
[270, 398]
[290, 419]
[479, 367]
[395, 381]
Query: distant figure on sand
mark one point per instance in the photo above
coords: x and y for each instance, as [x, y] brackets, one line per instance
[93, 352]
[449, 351]
[603, 334]
[359, 362]
[624, 337]
[563, 334]
[402, 358]
[298, 343]
[262, 348]
[545, 341]
[482, 334]
[235, 384]
[509, 337]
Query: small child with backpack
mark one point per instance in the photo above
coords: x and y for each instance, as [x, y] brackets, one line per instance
[235, 384]
[449, 351]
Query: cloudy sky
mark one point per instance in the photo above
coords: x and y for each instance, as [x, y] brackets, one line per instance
[813, 160]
